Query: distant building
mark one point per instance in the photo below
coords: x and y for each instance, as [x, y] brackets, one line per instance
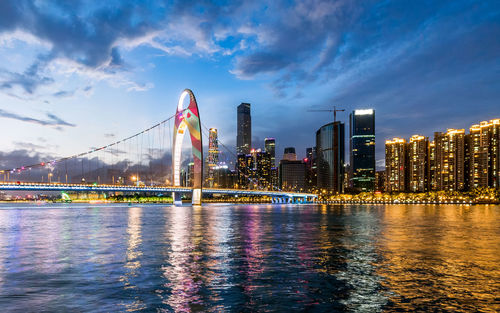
[254, 170]
[418, 163]
[330, 143]
[244, 131]
[223, 176]
[244, 173]
[262, 169]
[380, 181]
[292, 175]
[362, 149]
[270, 147]
[184, 178]
[274, 178]
[311, 169]
[289, 154]
[213, 155]
[190, 174]
[395, 165]
[450, 159]
[432, 166]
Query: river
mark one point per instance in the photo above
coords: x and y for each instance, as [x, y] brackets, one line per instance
[249, 258]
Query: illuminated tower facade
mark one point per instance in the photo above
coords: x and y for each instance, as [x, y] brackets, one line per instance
[362, 149]
[450, 159]
[270, 147]
[213, 155]
[431, 173]
[418, 164]
[395, 165]
[483, 154]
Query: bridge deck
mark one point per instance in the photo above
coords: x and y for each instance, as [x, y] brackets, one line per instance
[9, 186]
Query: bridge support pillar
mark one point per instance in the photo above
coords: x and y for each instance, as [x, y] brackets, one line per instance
[196, 198]
[177, 197]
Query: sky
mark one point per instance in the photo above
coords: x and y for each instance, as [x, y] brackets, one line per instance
[80, 74]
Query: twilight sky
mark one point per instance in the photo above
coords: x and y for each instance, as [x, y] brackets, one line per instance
[80, 74]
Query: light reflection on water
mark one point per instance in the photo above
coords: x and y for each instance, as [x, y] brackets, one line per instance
[220, 258]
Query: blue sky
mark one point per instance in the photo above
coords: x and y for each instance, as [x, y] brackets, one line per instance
[73, 71]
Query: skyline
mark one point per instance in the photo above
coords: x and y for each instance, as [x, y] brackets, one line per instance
[60, 97]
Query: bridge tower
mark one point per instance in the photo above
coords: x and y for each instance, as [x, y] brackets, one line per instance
[188, 120]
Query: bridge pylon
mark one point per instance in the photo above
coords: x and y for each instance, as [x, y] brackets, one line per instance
[188, 120]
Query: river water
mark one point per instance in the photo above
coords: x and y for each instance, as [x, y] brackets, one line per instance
[249, 258]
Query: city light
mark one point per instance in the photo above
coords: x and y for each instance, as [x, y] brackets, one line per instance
[363, 112]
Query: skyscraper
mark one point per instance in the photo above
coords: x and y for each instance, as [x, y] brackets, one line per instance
[213, 155]
[244, 131]
[330, 143]
[289, 154]
[483, 154]
[270, 147]
[418, 164]
[262, 167]
[450, 159]
[362, 149]
[243, 171]
[395, 165]
[311, 168]
[431, 173]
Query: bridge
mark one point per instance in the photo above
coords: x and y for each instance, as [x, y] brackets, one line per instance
[186, 120]
[276, 196]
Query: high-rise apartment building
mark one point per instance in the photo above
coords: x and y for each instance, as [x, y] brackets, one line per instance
[483, 154]
[270, 147]
[330, 143]
[244, 131]
[213, 155]
[431, 173]
[362, 149]
[418, 163]
[450, 160]
[395, 165]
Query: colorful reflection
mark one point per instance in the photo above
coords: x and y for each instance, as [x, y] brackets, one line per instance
[444, 257]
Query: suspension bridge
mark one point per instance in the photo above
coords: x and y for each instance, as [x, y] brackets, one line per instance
[138, 164]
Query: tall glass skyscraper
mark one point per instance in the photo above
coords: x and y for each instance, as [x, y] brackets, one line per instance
[244, 131]
[362, 149]
[330, 143]
[270, 147]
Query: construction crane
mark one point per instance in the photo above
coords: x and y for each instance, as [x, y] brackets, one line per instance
[335, 110]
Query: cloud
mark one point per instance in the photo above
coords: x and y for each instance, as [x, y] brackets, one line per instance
[86, 33]
[21, 145]
[52, 120]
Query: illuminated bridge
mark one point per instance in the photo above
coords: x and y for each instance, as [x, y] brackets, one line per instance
[277, 196]
[136, 164]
